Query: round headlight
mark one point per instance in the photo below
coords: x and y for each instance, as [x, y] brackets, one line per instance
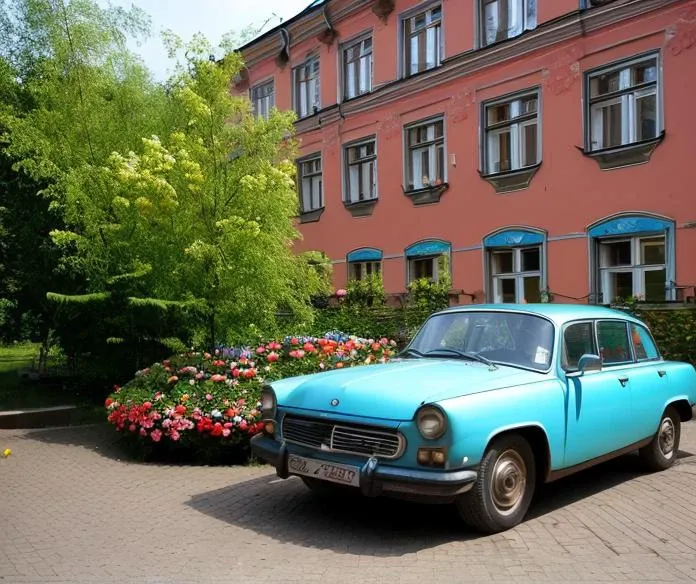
[431, 422]
[268, 403]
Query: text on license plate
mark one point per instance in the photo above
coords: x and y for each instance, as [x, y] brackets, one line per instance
[327, 471]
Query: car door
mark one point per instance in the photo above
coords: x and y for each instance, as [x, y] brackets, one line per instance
[649, 384]
[598, 404]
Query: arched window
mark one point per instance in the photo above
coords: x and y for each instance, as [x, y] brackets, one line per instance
[427, 259]
[632, 254]
[363, 262]
[515, 264]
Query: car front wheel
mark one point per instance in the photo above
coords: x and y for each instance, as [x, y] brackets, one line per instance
[504, 486]
[661, 453]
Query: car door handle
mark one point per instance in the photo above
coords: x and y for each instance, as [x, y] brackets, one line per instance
[623, 381]
[661, 372]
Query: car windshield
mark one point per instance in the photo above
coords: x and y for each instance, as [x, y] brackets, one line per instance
[508, 338]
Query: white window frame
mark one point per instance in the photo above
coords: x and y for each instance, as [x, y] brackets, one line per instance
[362, 79]
[517, 275]
[310, 182]
[306, 79]
[365, 269]
[264, 103]
[434, 39]
[431, 146]
[358, 186]
[626, 96]
[521, 15]
[515, 125]
[636, 267]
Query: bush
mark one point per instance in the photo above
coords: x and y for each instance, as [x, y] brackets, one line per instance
[206, 406]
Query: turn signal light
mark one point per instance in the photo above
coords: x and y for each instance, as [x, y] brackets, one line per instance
[269, 428]
[432, 456]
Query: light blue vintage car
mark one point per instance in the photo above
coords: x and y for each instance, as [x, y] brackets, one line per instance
[485, 403]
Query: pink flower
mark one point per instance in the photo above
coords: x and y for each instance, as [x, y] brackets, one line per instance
[143, 432]
[147, 405]
[272, 357]
[166, 423]
[217, 378]
[243, 425]
[208, 396]
[341, 292]
[156, 435]
[174, 435]
[226, 432]
[173, 379]
[132, 427]
[260, 350]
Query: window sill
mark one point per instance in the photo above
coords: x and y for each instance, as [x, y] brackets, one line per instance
[311, 216]
[621, 156]
[361, 208]
[427, 195]
[511, 180]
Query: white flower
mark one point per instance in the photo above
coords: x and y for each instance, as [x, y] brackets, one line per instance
[237, 419]
[192, 382]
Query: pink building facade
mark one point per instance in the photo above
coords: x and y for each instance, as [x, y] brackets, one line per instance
[546, 148]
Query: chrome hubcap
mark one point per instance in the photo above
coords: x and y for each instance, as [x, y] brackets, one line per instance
[666, 438]
[509, 482]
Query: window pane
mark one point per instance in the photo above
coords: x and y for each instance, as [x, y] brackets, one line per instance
[356, 271]
[613, 342]
[643, 344]
[508, 290]
[498, 113]
[578, 340]
[606, 83]
[621, 285]
[422, 268]
[652, 251]
[655, 285]
[532, 289]
[646, 117]
[531, 259]
[615, 253]
[503, 262]
[529, 145]
[645, 72]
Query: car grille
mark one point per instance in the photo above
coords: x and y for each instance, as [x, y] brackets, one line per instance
[350, 438]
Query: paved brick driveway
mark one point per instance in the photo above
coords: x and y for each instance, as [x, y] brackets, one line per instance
[71, 511]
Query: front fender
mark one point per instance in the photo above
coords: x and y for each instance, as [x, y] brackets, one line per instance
[477, 418]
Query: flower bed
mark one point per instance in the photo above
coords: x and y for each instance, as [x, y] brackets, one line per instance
[205, 407]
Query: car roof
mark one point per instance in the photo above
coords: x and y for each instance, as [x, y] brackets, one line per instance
[558, 313]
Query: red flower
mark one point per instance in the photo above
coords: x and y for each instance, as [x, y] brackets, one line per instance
[217, 429]
[376, 346]
[294, 341]
[230, 413]
[108, 402]
[180, 409]
[166, 363]
[308, 347]
[272, 357]
[132, 427]
[235, 372]
[249, 373]
[243, 425]
[328, 349]
[147, 405]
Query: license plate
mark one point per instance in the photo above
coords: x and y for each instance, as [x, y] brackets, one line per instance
[326, 471]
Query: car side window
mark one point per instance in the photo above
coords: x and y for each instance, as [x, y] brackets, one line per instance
[614, 346]
[643, 344]
[578, 339]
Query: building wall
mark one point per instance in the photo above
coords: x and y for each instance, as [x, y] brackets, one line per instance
[568, 193]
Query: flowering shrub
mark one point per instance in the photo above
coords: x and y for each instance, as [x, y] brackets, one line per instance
[202, 399]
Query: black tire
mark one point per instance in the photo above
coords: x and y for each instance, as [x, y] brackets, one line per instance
[328, 489]
[661, 453]
[489, 510]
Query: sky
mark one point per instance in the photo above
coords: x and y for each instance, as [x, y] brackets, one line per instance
[211, 17]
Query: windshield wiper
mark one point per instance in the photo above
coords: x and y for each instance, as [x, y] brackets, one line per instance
[465, 354]
[408, 351]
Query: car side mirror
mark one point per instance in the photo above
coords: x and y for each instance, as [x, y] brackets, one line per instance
[587, 362]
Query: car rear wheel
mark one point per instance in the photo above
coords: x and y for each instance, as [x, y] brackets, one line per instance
[661, 453]
[504, 487]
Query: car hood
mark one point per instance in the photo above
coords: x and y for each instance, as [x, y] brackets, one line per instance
[394, 390]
